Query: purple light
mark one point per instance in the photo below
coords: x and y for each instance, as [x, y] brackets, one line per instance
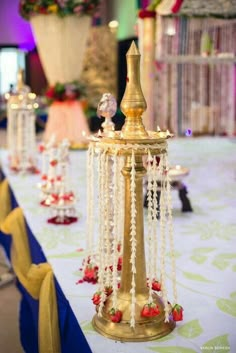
[188, 132]
[28, 46]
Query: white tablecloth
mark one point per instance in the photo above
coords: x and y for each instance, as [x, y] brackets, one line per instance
[204, 242]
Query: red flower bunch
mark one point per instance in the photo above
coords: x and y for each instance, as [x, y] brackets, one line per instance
[64, 92]
[146, 14]
[96, 298]
[156, 286]
[150, 310]
[91, 273]
[108, 290]
[177, 312]
[115, 315]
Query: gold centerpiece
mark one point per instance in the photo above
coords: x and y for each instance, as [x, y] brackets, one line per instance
[121, 311]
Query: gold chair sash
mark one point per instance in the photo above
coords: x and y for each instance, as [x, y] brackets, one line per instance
[37, 280]
[5, 202]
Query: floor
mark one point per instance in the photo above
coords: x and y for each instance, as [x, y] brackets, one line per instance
[9, 301]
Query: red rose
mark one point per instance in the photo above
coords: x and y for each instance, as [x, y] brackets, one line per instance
[156, 286]
[150, 310]
[115, 315]
[44, 177]
[108, 290]
[177, 312]
[41, 148]
[53, 163]
[146, 14]
[119, 265]
[96, 298]
[90, 274]
[50, 93]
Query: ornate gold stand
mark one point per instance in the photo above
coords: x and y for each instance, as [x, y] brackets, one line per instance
[134, 134]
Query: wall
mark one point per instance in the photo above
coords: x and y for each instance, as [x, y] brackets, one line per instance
[14, 29]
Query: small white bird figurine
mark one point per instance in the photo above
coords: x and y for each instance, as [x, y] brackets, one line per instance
[107, 108]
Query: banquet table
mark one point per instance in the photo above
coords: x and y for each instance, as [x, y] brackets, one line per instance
[204, 248]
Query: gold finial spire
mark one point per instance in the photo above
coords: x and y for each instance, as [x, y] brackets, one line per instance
[133, 50]
[133, 103]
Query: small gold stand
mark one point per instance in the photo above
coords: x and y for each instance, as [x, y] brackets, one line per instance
[134, 134]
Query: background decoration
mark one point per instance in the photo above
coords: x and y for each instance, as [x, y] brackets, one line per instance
[21, 135]
[99, 72]
[61, 30]
[146, 30]
[195, 57]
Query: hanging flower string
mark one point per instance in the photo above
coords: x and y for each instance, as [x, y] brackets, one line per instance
[102, 260]
[155, 216]
[133, 240]
[121, 203]
[115, 229]
[150, 221]
[177, 310]
[90, 197]
[111, 222]
[106, 220]
[163, 235]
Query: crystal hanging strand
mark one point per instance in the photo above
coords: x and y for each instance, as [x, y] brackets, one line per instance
[150, 222]
[133, 240]
[115, 225]
[170, 231]
[163, 235]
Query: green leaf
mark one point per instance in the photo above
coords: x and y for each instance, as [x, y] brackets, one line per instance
[172, 349]
[227, 305]
[233, 295]
[234, 268]
[203, 250]
[220, 264]
[222, 261]
[219, 344]
[87, 327]
[195, 277]
[68, 255]
[191, 329]
[199, 259]
[165, 338]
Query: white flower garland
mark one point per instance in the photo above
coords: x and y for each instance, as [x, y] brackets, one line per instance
[116, 207]
[162, 166]
[90, 199]
[154, 217]
[121, 203]
[133, 240]
[106, 220]
[111, 220]
[150, 221]
[170, 233]
[101, 264]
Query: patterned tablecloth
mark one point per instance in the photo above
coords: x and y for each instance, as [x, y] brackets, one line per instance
[204, 243]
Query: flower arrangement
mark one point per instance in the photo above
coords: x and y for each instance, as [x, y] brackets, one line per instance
[62, 8]
[64, 92]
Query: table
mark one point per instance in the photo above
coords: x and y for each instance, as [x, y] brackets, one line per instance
[204, 243]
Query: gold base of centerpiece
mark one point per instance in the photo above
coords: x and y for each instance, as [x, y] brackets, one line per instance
[146, 329]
